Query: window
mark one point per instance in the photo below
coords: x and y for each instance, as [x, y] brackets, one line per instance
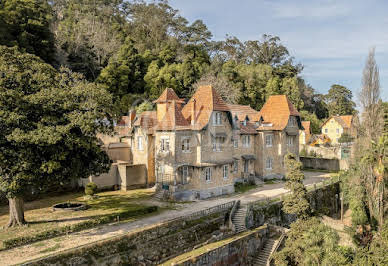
[235, 142]
[337, 130]
[140, 143]
[291, 121]
[268, 163]
[235, 166]
[217, 143]
[165, 144]
[325, 130]
[268, 140]
[246, 140]
[208, 174]
[290, 141]
[217, 118]
[186, 145]
[185, 174]
[225, 171]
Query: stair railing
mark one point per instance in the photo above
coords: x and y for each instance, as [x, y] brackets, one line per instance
[232, 212]
[275, 249]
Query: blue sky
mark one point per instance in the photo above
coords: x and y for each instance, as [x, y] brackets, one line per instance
[330, 38]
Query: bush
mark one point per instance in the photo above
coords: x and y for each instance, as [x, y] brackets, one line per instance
[91, 189]
[303, 152]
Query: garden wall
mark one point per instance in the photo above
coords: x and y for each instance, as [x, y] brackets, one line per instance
[320, 163]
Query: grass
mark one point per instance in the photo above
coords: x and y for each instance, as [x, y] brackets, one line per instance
[51, 249]
[243, 187]
[42, 220]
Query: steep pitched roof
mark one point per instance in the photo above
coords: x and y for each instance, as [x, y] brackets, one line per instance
[276, 112]
[249, 128]
[344, 120]
[241, 111]
[173, 119]
[168, 95]
[206, 100]
[307, 127]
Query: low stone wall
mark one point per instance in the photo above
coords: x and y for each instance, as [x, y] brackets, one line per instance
[320, 163]
[147, 247]
[325, 152]
[236, 252]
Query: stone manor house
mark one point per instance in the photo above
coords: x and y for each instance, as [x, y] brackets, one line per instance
[199, 149]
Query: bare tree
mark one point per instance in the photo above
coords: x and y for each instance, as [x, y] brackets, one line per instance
[227, 90]
[369, 98]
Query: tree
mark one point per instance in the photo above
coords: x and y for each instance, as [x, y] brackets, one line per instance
[48, 125]
[124, 75]
[370, 98]
[339, 101]
[345, 138]
[26, 24]
[297, 202]
[314, 121]
[227, 90]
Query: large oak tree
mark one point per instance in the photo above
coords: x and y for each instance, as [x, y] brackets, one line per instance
[48, 126]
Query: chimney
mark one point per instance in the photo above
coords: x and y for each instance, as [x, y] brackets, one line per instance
[132, 116]
[193, 113]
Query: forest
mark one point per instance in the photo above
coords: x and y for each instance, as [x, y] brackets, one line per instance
[135, 49]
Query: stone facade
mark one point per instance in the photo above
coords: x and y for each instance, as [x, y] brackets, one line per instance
[199, 149]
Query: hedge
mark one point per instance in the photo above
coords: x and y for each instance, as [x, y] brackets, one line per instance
[19, 241]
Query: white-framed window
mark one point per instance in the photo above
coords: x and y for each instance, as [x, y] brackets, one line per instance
[140, 141]
[235, 166]
[217, 143]
[268, 163]
[337, 129]
[186, 144]
[268, 140]
[235, 142]
[208, 174]
[225, 169]
[217, 116]
[326, 130]
[290, 141]
[165, 144]
[246, 166]
[292, 121]
[185, 174]
[246, 141]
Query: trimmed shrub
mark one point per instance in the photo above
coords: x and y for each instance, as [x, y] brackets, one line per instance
[91, 189]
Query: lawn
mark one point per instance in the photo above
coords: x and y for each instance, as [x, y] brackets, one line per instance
[243, 187]
[43, 222]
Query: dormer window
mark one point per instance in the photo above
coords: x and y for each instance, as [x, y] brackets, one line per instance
[217, 118]
[292, 121]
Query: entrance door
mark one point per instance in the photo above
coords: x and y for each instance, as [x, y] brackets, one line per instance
[246, 166]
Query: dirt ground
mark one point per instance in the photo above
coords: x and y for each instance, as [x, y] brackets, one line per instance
[46, 247]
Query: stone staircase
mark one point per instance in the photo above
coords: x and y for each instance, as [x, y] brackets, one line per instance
[263, 256]
[238, 219]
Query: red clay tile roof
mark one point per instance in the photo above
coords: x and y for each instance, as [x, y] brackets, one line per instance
[173, 119]
[307, 128]
[168, 95]
[206, 101]
[146, 120]
[276, 111]
[241, 111]
[124, 121]
[344, 120]
[248, 129]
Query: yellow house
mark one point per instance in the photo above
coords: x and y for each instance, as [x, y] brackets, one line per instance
[335, 126]
[305, 134]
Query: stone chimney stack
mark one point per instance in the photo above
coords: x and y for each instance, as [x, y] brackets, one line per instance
[193, 112]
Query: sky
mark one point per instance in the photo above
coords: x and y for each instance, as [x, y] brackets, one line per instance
[330, 38]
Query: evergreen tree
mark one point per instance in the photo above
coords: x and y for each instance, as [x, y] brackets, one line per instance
[339, 101]
[26, 24]
[296, 203]
[48, 126]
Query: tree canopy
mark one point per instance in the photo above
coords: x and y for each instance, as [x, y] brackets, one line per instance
[339, 101]
[48, 123]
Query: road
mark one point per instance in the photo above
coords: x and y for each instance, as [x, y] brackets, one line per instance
[39, 249]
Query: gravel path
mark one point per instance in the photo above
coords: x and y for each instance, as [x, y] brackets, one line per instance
[39, 249]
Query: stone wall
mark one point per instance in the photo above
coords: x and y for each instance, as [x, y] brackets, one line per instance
[325, 152]
[148, 247]
[236, 252]
[320, 163]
